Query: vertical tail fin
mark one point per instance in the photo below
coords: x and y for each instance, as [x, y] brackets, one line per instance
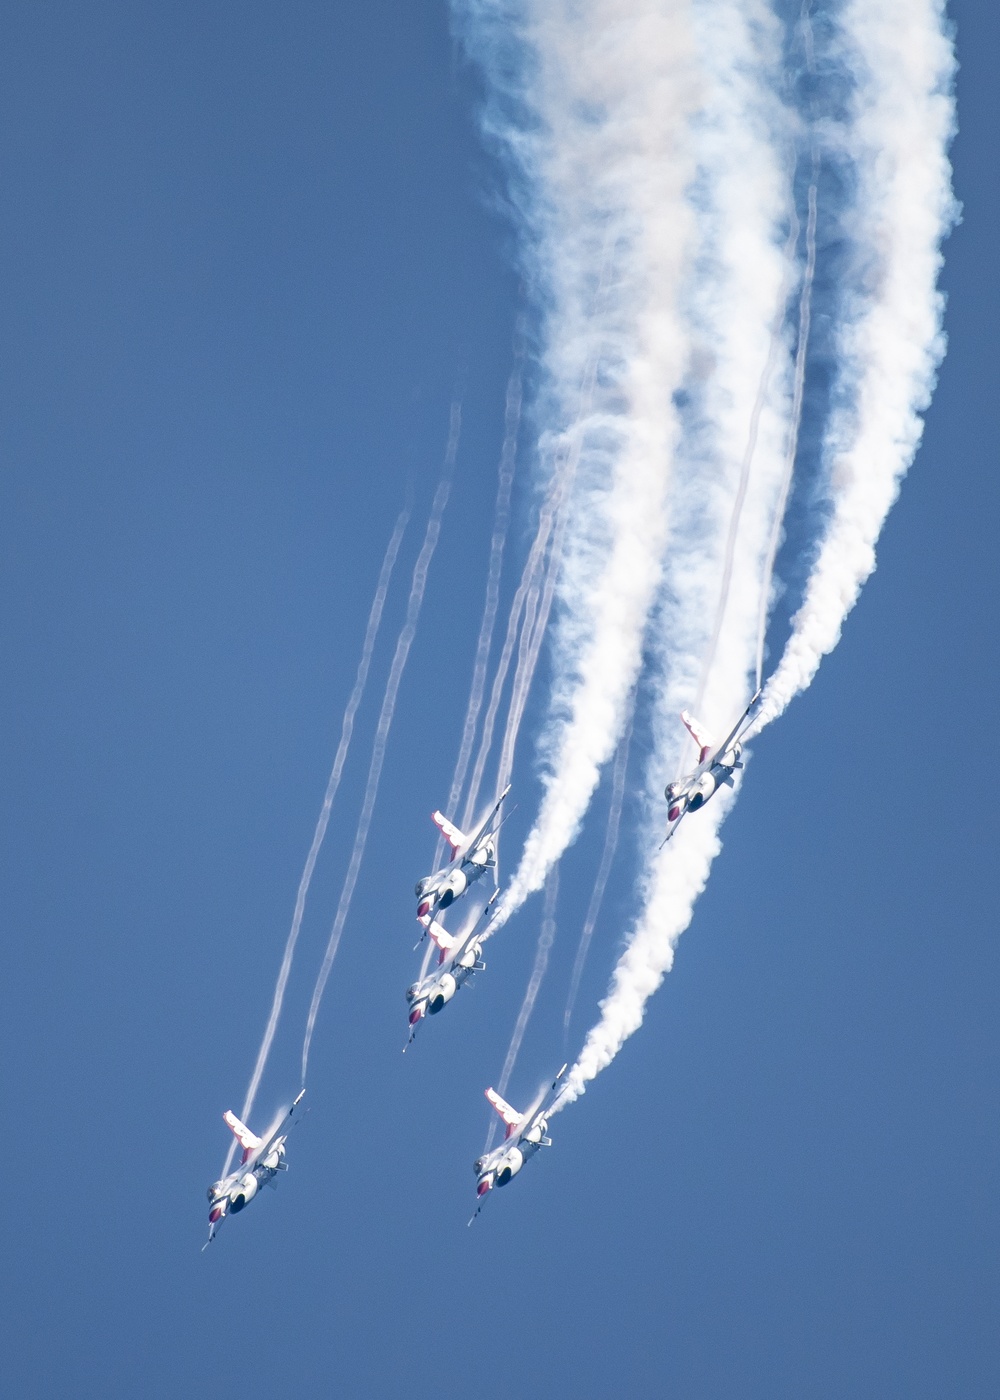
[699, 734]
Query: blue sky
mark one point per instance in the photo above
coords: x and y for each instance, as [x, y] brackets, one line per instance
[250, 256]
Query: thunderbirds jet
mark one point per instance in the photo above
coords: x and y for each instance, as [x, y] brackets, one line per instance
[460, 956]
[263, 1159]
[716, 765]
[471, 856]
[526, 1133]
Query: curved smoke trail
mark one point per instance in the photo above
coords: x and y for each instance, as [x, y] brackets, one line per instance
[603, 872]
[895, 135]
[403, 645]
[591, 105]
[340, 758]
[890, 340]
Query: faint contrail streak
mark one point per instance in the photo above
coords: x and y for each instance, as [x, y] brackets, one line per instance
[890, 342]
[546, 938]
[501, 522]
[346, 731]
[603, 872]
[403, 645]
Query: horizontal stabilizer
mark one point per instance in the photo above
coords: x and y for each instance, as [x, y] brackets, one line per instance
[455, 838]
[438, 932]
[509, 1115]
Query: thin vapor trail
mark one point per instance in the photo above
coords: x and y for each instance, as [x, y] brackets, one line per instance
[529, 575]
[543, 948]
[501, 522]
[340, 758]
[403, 645]
[538, 607]
[603, 872]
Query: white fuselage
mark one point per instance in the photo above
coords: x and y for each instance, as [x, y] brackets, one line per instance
[441, 889]
[230, 1195]
[501, 1165]
[430, 995]
[693, 792]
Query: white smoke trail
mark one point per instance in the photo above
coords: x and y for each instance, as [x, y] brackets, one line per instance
[891, 341]
[543, 948]
[598, 130]
[501, 522]
[403, 645]
[791, 450]
[889, 344]
[603, 872]
[340, 758]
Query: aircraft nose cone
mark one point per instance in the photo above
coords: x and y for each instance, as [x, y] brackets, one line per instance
[423, 909]
[673, 814]
[215, 1215]
[416, 1014]
[483, 1186]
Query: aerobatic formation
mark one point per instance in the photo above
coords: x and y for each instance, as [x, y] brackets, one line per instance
[730, 218]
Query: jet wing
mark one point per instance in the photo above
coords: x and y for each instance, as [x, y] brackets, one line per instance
[456, 839]
[283, 1125]
[551, 1095]
[737, 728]
[474, 841]
[727, 742]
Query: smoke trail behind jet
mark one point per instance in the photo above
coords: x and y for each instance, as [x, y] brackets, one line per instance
[591, 105]
[895, 135]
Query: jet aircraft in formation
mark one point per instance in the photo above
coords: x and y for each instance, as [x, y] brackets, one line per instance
[471, 857]
[526, 1133]
[716, 766]
[263, 1159]
[459, 957]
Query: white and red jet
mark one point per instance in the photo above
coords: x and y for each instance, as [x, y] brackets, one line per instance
[459, 957]
[263, 1159]
[716, 765]
[526, 1133]
[471, 857]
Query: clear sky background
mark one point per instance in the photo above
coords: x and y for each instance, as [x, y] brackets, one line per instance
[248, 255]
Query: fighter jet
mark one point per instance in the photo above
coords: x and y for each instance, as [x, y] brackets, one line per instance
[716, 765]
[263, 1159]
[526, 1133]
[459, 957]
[471, 857]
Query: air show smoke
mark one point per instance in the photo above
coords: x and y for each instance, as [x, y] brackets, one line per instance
[591, 106]
[675, 137]
[888, 341]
